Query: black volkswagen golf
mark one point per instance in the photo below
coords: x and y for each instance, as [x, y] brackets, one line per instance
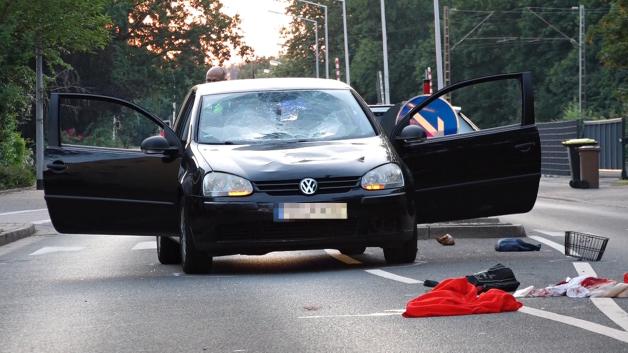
[254, 166]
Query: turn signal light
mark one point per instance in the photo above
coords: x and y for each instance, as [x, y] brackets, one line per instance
[374, 186]
[239, 193]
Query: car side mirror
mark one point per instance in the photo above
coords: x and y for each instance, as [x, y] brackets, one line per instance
[157, 145]
[414, 133]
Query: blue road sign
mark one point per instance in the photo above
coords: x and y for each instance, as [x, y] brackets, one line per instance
[438, 118]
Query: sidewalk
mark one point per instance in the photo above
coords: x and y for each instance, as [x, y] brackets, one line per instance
[612, 192]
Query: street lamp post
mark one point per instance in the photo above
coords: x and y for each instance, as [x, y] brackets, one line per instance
[344, 24]
[326, 35]
[385, 50]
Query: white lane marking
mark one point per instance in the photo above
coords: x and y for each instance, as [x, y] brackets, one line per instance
[584, 268]
[572, 321]
[43, 221]
[393, 277]
[551, 233]
[23, 211]
[350, 315]
[145, 245]
[559, 247]
[341, 257]
[52, 249]
[606, 305]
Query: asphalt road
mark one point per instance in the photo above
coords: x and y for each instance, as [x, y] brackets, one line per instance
[75, 293]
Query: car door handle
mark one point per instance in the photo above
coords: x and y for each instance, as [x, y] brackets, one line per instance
[57, 166]
[524, 147]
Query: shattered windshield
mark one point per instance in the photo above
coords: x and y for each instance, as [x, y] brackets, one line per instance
[281, 116]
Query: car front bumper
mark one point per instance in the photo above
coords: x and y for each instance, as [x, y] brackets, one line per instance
[223, 226]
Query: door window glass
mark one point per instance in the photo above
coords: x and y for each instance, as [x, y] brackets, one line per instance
[89, 122]
[183, 122]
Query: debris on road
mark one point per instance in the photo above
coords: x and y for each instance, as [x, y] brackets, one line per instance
[578, 287]
[585, 246]
[457, 296]
[446, 240]
[495, 277]
[514, 244]
[430, 283]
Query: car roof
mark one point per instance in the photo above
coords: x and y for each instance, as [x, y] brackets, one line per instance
[268, 84]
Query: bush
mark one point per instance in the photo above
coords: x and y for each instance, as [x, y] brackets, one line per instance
[15, 162]
[15, 176]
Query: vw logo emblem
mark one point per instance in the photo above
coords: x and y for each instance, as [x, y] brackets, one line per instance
[308, 186]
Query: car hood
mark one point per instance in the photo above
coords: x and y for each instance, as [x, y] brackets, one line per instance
[287, 161]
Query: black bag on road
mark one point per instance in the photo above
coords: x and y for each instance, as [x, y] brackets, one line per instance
[497, 276]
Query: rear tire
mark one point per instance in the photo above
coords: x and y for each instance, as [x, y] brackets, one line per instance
[402, 254]
[193, 261]
[356, 250]
[168, 251]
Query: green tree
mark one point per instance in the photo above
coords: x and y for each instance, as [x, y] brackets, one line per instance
[56, 27]
[158, 50]
[512, 39]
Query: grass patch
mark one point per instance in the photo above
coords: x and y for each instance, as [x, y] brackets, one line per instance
[623, 182]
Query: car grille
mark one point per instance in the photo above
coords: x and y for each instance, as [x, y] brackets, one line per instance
[288, 230]
[291, 187]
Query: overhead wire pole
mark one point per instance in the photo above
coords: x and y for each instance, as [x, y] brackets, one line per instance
[326, 35]
[447, 50]
[344, 24]
[437, 41]
[581, 60]
[39, 117]
[385, 52]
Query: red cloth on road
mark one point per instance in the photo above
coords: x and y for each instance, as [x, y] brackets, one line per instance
[456, 296]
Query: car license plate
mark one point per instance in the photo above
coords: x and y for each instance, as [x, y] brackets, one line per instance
[323, 210]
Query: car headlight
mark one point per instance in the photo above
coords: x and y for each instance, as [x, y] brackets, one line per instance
[222, 184]
[386, 176]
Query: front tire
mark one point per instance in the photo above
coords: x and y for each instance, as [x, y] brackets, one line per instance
[402, 254]
[193, 261]
[168, 251]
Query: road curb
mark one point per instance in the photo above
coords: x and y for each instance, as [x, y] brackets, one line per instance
[471, 230]
[8, 191]
[12, 232]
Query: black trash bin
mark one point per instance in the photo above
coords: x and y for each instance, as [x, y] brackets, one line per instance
[574, 159]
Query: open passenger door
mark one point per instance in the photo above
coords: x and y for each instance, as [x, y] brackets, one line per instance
[492, 171]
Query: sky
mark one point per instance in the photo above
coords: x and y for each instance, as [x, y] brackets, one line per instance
[260, 26]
